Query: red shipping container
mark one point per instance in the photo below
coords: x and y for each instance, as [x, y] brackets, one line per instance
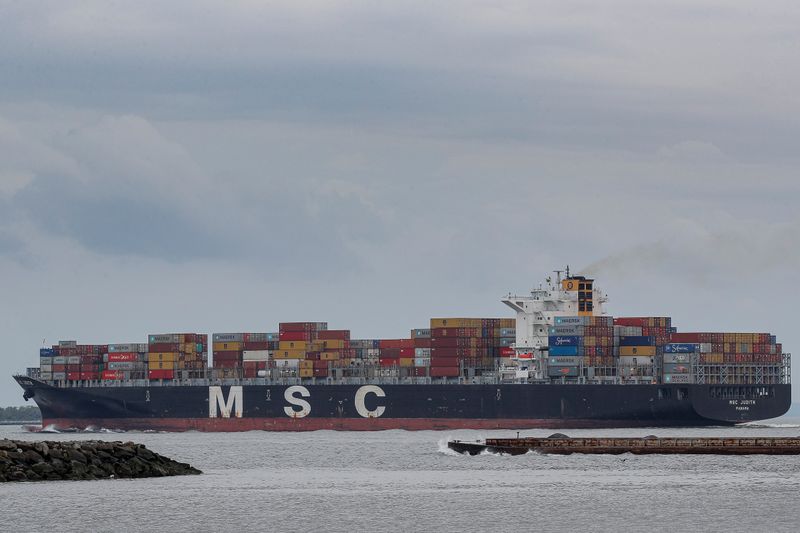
[693, 338]
[389, 361]
[164, 347]
[420, 371]
[396, 343]
[422, 342]
[59, 368]
[122, 357]
[90, 375]
[320, 372]
[334, 335]
[406, 352]
[112, 374]
[295, 336]
[161, 374]
[321, 364]
[73, 368]
[250, 372]
[505, 351]
[94, 358]
[444, 371]
[256, 345]
[73, 376]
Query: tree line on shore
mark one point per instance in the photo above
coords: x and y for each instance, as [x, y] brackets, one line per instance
[24, 413]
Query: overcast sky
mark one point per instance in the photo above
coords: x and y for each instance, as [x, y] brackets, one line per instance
[223, 166]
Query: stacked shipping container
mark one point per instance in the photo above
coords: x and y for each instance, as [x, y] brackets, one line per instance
[474, 342]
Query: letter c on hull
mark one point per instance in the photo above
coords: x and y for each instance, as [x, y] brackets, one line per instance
[361, 406]
[305, 407]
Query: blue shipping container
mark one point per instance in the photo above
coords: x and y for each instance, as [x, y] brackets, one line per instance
[637, 341]
[681, 348]
[564, 340]
[46, 352]
[563, 350]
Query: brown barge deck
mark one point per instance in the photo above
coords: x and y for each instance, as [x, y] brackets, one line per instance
[563, 445]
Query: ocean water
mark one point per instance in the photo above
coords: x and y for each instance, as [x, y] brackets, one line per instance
[409, 481]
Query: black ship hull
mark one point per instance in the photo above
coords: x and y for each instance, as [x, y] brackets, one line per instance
[412, 407]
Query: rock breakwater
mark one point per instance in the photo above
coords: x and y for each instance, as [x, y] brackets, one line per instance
[76, 460]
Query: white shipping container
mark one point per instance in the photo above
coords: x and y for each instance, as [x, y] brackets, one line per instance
[46, 368]
[256, 355]
[287, 363]
[60, 360]
[45, 361]
[705, 347]
[67, 344]
[74, 360]
[47, 376]
[57, 376]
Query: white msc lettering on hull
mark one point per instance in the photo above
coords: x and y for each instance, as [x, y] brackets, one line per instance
[305, 407]
[216, 399]
[361, 406]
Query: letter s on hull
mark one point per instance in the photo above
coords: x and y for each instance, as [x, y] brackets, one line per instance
[361, 406]
[305, 407]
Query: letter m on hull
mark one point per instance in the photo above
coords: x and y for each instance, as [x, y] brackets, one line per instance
[218, 403]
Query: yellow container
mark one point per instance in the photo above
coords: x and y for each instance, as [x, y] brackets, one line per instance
[406, 361]
[456, 323]
[161, 365]
[227, 346]
[162, 356]
[189, 347]
[307, 364]
[306, 372]
[644, 351]
[333, 344]
[292, 345]
[290, 354]
[329, 356]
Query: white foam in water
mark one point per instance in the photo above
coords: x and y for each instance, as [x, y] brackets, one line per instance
[50, 428]
[444, 449]
[760, 425]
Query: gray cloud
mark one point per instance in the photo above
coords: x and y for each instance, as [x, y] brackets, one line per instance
[374, 166]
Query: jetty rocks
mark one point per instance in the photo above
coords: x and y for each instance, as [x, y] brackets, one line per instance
[76, 460]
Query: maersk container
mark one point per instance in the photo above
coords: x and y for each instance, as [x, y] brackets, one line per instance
[564, 360]
[678, 378]
[163, 338]
[563, 350]
[124, 365]
[564, 340]
[565, 330]
[681, 348]
[571, 320]
[676, 368]
[637, 341]
[122, 348]
[228, 337]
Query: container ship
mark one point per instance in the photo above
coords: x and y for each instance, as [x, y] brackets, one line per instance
[560, 362]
